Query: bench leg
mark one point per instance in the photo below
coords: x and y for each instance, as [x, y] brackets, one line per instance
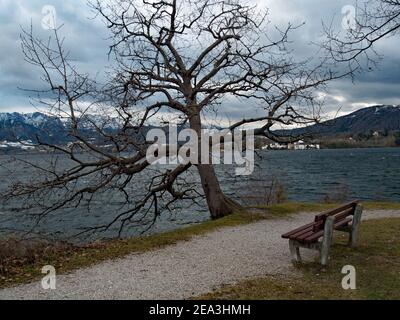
[294, 251]
[355, 226]
[298, 254]
[327, 240]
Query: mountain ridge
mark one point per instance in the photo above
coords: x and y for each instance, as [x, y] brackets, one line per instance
[377, 118]
[26, 127]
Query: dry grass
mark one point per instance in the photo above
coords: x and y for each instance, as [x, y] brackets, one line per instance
[21, 261]
[288, 208]
[377, 263]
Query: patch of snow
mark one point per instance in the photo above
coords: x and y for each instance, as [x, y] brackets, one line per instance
[23, 144]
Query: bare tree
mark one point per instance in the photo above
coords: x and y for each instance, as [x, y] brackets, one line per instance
[374, 20]
[178, 58]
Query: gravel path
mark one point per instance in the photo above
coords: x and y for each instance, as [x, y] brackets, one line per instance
[184, 270]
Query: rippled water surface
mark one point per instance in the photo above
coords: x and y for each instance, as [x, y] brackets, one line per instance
[310, 175]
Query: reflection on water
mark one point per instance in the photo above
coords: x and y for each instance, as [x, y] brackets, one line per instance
[312, 175]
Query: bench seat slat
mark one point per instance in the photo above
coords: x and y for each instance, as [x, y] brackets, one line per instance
[287, 235]
[305, 235]
[314, 237]
[337, 224]
[301, 232]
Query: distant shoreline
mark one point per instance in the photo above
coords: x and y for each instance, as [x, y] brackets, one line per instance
[35, 152]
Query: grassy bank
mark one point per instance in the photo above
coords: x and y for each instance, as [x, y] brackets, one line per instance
[288, 208]
[376, 259]
[21, 262]
[389, 141]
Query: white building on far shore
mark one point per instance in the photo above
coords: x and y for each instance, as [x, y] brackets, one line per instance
[301, 145]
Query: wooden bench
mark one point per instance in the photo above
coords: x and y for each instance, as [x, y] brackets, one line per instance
[345, 218]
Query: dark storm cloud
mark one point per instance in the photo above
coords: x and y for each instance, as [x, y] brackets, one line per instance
[382, 86]
[86, 38]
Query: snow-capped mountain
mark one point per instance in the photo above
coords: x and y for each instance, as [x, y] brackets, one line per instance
[21, 131]
[383, 118]
[18, 130]
[15, 127]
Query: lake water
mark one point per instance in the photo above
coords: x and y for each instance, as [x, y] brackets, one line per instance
[309, 175]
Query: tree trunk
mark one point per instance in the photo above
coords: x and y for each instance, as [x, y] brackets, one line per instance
[219, 205]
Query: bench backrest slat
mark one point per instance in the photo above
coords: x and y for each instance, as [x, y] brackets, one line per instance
[344, 214]
[340, 213]
[324, 215]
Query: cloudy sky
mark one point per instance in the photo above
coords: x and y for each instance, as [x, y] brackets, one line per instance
[87, 39]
